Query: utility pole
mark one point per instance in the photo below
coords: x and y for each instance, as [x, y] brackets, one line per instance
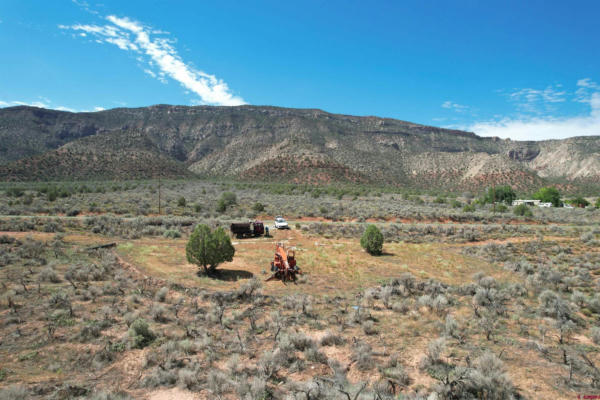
[159, 188]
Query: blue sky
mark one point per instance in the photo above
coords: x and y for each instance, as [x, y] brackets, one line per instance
[517, 69]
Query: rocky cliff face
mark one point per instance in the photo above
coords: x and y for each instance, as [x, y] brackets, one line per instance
[277, 144]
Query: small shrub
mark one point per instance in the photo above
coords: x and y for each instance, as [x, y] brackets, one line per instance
[140, 334]
[171, 234]
[331, 339]
[501, 208]
[48, 274]
[258, 207]
[488, 379]
[159, 313]
[595, 335]
[14, 392]
[363, 356]
[161, 294]
[181, 202]
[90, 330]
[394, 373]
[433, 356]
[369, 328]
[522, 210]
[469, 208]
[226, 200]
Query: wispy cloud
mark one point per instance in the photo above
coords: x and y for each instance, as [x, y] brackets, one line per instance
[454, 106]
[160, 56]
[549, 127]
[84, 5]
[538, 100]
[586, 87]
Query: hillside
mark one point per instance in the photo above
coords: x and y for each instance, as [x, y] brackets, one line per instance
[269, 143]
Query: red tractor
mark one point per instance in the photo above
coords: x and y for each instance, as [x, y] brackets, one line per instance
[284, 265]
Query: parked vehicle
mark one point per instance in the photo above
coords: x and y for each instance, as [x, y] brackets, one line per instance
[281, 223]
[242, 229]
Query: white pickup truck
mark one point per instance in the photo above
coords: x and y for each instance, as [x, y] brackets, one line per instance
[281, 223]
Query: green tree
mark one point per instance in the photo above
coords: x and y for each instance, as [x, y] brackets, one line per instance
[548, 195]
[258, 207]
[500, 194]
[181, 202]
[579, 202]
[208, 249]
[372, 240]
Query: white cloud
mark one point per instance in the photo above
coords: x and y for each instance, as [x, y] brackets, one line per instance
[454, 106]
[538, 100]
[62, 108]
[45, 103]
[39, 104]
[540, 128]
[585, 87]
[85, 6]
[130, 35]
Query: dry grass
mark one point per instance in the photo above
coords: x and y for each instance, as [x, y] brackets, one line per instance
[332, 266]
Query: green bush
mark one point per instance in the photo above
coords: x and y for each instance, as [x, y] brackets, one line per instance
[181, 202]
[598, 202]
[258, 207]
[469, 208]
[197, 207]
[522, 210]
[418, 200]
[140, 334]
[579, 202]
[227, 199]
[52, 194]
[221, 206]
[15, 192]
[208, 248]
[372, 240]
[501, 208]
[172, 234]
[456, 204]
[439, 200]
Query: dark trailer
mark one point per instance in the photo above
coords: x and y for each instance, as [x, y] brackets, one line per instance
[242, 229]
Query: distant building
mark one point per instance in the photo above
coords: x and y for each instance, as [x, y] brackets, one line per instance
[527, 202]
[545, 205]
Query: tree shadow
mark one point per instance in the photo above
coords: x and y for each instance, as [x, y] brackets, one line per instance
[227, 275]
[386, 254]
